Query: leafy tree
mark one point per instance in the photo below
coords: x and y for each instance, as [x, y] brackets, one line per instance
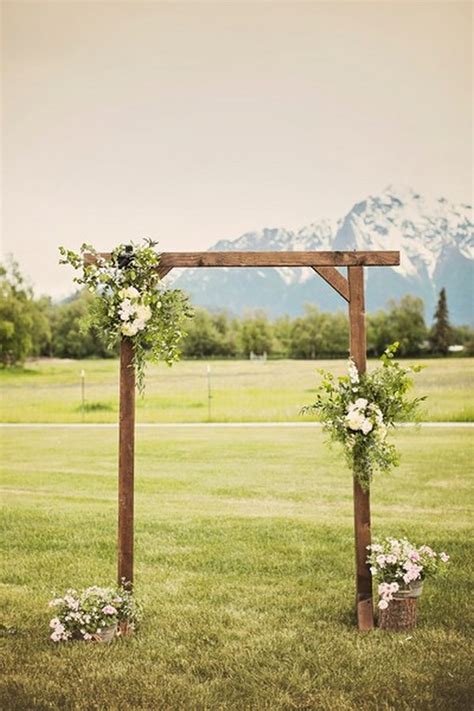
[282, 336]
[404, 322]
[256, 335]
[464, 336]
[70, 339]
[441, 332]
[24, 326]
[318, 334]
[203, 338]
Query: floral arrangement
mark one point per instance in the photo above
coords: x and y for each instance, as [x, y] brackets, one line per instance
[131, 301]
[358, 410]
[398, 564]
[88, 614]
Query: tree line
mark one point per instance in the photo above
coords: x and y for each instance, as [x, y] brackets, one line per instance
[32, 327]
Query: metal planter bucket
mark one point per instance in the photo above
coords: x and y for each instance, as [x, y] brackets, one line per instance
[105, 635]
[413, 590]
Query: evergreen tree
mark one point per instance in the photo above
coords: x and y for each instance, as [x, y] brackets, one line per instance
[441, 332]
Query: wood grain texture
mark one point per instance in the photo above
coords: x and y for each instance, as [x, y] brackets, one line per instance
[399, 616]
[126, 463]
[364, 603]
[334, 279]
[163, 271]
[271, 259]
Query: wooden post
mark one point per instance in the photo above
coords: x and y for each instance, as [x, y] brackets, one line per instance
[126, 463]
[358, 350]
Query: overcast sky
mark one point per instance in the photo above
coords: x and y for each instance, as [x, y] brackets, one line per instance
[190, 122]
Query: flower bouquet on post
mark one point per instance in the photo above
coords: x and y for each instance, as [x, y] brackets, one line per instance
[359, 409]
[401, 567]
[131, 302]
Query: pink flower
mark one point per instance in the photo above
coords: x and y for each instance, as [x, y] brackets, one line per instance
[109, 610]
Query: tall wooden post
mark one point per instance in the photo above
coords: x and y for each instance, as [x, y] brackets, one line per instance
[358, 350]
[126, 463]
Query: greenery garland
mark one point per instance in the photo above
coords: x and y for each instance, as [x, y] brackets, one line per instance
[131, 302]
[358, 410]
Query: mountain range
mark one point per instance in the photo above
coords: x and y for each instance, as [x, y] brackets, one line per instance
[435, 238]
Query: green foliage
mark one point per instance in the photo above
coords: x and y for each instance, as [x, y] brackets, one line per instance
[403, 322]
[71, 336]
[210, 335]
[318, 334]
[441, 336]
[464, 336]
[256, 334]
[130, 302]
[357, 410]
[24, 326]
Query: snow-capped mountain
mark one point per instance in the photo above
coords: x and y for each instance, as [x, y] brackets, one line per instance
[435, 239]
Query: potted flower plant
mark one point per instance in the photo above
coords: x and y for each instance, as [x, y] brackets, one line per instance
[95, 614]
[400, 568]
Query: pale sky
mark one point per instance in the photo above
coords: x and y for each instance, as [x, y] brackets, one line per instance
[190, 122]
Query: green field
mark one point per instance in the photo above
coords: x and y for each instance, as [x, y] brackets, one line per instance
[242, 391]
[244, 558]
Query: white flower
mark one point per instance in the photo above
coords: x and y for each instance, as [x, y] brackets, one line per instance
[55, 602]
[139, 324]
[353, 372]
[361, 403]
[129, 329]
[143, 312]
[383, 604]
[126, 310]
[381, 560]
[55, 622]
[367, 426]
[373, 570]
[109, 610]
[355, 420]
[444, 557]
[129, 293]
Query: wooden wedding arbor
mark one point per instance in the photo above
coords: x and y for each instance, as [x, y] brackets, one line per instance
[352, 290]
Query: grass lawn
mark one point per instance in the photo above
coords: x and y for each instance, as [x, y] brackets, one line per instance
[244, 564]
[242, 391]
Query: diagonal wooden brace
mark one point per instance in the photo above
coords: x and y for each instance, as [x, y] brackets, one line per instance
[334, 279]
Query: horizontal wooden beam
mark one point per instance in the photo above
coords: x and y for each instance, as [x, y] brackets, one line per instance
[273, 259]
[334, 279]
